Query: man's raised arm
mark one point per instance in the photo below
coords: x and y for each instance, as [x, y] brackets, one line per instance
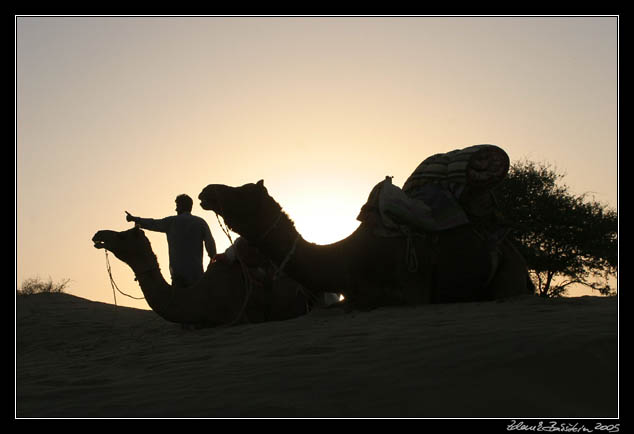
[160, 225]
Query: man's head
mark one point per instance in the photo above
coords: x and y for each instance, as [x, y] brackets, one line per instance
[184, 203]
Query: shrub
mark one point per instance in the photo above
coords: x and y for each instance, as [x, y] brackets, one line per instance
[35, 285]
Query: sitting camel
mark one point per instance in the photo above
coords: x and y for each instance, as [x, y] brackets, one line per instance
[453, 265]
[224, 295]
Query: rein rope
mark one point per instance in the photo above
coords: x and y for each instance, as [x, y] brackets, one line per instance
[113, 284]
[224, 228]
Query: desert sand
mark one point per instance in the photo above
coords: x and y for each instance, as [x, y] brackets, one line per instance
[521, 358]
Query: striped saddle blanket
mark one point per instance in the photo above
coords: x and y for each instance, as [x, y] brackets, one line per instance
[479, 166]
[434, 197]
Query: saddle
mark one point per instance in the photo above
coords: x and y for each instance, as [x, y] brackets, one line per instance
[444, 192]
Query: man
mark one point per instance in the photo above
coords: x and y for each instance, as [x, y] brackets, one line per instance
[186, 234]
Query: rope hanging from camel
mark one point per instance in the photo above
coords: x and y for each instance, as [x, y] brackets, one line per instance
[224, 228]
[113, 284]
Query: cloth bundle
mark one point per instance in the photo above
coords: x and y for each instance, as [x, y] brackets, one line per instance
[430, 200]
[479, 166]
[397, 211]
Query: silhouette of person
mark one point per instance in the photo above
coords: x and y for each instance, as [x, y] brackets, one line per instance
[186, 234]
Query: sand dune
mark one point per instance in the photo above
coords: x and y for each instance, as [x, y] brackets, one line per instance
[514, 359]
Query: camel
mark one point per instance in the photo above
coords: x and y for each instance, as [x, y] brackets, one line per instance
[223, 296]
[453, 265]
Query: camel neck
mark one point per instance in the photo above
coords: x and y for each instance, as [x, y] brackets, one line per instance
[272, 226]
[152, 270]
[148, 267]
[278, 239]
[317, 267]
[158, 294]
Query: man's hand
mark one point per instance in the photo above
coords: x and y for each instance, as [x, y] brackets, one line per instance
[129, 217]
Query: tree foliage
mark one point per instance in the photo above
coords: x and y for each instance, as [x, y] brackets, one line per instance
[565, 239]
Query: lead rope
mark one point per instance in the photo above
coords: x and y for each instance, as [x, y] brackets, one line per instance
[225, 230]
[113, 284]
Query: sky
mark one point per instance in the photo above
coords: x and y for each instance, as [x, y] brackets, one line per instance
[125, 113]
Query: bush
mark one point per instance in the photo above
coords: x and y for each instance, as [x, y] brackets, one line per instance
[35, 285]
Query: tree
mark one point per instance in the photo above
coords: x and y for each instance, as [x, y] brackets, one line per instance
[565, 239]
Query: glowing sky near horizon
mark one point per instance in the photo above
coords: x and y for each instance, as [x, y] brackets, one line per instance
[125, 113]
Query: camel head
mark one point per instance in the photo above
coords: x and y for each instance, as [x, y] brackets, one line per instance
[131, 246]
[222, 198]
[244, 209]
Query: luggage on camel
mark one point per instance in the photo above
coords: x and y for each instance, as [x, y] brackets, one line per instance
[480, 167]
[445, 191]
